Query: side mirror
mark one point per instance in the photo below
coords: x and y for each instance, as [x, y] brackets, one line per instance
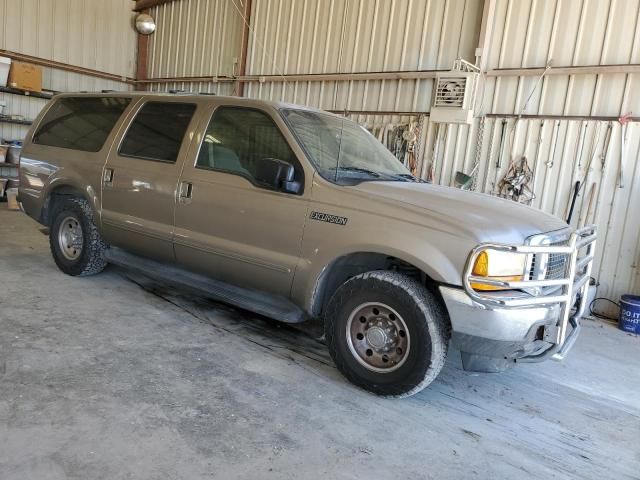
[278, 175]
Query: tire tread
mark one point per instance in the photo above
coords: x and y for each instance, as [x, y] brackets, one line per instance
[94, 261]
[429, 308]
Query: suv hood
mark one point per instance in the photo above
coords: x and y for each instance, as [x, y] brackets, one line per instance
[485, 217]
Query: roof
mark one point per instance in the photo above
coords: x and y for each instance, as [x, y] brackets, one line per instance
[188, 95]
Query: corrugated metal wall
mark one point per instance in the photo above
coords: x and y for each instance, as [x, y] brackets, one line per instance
[94, 34]
[344, 36]
[196, 38]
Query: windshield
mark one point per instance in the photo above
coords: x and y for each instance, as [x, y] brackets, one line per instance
[342, 151]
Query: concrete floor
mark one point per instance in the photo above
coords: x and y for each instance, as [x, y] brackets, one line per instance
[113, 377]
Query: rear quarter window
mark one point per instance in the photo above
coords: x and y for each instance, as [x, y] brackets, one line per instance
[80, 123]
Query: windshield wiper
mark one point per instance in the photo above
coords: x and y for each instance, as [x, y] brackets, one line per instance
[410, 177]
[359, 170]
[402, 177]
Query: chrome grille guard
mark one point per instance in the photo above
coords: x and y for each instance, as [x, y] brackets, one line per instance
[572, 286]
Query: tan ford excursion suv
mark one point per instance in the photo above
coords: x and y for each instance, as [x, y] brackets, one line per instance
[296, 213]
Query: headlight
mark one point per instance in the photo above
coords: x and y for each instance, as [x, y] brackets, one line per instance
[497, 265]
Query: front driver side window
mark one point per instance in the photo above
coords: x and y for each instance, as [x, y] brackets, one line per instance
[238, 139]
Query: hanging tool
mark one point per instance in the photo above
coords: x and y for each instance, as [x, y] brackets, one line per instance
[461, 179]
[515, 184]
[554, 143]
[576, 171]
[605, 146]
[502, 140]
[583, 182]
[576, 190]
[592, 154]
[410, 136]
[499, 160]
[436, 152]
[464, 181]
[582, 135]
[536, 158]
[624, 121]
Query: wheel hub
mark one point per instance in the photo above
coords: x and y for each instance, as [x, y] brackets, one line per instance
[377, 337]
[70, 238]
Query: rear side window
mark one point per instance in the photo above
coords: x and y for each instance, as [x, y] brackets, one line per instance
[80, 123]
[157, 131]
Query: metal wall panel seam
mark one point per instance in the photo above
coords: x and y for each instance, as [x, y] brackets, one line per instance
[524, 56]
[213, 67]
[166, 69]
[326, 50]
[416, 84]
[296, 84]
[203, 49]
[288, 46]
[355, 53]
[276, 40]
[222, 43]
[196, 36]
[387, 43]
[574, 59]
[603, 52]
[443, 32]
[497, 85]
[340, 68]
[403, 54]
[632, 56]
[370, 56]
[267, 28]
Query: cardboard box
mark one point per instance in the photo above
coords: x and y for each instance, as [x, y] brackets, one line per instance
[5, 65]
[25, 77]
[12, 199]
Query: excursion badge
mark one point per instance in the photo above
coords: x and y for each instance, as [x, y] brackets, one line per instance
[325, 217]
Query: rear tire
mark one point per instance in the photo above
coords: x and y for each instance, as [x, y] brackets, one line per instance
[76, 245]
[387, 333]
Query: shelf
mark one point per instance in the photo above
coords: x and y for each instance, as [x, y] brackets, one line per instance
[26, 93]
[8, 119]
[8, 165]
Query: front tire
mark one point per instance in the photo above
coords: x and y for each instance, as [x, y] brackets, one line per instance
[76, 245]
[387, 333]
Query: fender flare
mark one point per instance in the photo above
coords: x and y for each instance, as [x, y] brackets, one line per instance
[439, 270]
[67, 186]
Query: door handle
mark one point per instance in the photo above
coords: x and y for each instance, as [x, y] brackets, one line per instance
[107, 177]
[186, 192]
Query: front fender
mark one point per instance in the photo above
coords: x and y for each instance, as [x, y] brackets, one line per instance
[321, 256]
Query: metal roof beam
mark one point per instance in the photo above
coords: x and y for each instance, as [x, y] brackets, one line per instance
[145, 4]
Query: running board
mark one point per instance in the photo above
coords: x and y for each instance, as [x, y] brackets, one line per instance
[272, 306]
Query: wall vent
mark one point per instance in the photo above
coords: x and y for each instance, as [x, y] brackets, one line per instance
[455, 94]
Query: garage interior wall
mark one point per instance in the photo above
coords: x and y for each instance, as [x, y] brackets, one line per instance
[93, 34]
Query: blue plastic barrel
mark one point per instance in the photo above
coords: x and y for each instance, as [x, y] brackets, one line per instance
[630, 314]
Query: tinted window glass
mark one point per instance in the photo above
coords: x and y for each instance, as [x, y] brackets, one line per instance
[157, 131]
[80, 123]
[237, 139]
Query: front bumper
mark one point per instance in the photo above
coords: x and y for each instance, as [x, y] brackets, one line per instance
[493, 330]
[492, 340]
